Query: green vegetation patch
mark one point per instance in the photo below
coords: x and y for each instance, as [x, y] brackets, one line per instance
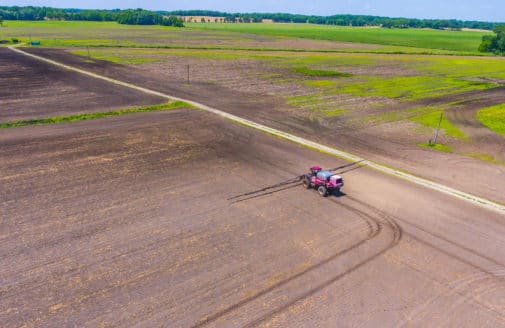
[148, 55]
[457, 66]
[430, 118]
[439, 147]
[315, 102]
[118, 57]
[244, 36]
[89, 116]
[409, 87]
[316, 72]
[493, 117]
[484, 157]
[323, 84]
[461, 41]
[334, 112]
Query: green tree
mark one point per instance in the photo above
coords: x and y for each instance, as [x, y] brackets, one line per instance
[172, 21]
[494, 43]
[139, 17]
[1, 21]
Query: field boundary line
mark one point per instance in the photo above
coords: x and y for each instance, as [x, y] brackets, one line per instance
[476, 200]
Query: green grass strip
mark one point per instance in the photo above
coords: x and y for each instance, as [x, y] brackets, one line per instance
[430, 120]
[316, 72]
[493, 117]
[439, 147]
[90, 116]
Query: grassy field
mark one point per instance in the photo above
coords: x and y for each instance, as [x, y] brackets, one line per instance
[493, 117]
[91, 116]
[107, 34]
[438, 146]
[242, 36]
[430, 119]
[460, 41]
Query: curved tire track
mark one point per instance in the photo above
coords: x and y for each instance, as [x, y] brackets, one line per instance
[376, 228]
[382, 222]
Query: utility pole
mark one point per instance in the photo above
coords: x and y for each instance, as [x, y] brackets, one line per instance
[89, 56]
[437, 131]
[188, 73]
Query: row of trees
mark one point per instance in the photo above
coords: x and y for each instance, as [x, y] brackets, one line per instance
[494, 43]
[40, 13]
[135, 17]
[145, 17]
[342, 20]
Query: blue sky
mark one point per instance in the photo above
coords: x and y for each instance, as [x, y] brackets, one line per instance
[483, 10]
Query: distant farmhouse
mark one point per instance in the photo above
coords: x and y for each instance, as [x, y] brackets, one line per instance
[219, 19]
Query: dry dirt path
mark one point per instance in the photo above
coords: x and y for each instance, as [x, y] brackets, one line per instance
[127, 221]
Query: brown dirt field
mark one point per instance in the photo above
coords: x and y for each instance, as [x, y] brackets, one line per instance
[33, 89]
[393, 144]
[126, 221]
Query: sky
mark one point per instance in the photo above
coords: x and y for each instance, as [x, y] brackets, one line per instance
[483, 10]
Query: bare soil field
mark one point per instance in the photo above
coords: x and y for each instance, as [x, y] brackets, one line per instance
[237, 87]
[32, 89]
[148, 220]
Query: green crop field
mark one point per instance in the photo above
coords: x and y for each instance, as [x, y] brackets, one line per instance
[108, 34]
[242, 36]
[461, 41]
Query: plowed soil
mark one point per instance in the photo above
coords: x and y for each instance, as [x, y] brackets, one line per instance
[167, 219]
[126, 221]
[33, 89]
[394, 145]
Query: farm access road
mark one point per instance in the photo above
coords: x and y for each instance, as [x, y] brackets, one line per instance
[330, 150]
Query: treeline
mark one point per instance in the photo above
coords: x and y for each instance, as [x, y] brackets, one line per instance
[146, 17]
[341, 20]
[494, 43]
[41, 13]
[133, 17]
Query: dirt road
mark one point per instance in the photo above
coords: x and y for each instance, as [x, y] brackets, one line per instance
[126, 221]
[448, 169]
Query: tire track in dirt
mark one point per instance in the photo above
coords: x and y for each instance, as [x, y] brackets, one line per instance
[376, 228]
[455, 288]
[460, 288]
[383, 221]
[464, 116]
[479, 201]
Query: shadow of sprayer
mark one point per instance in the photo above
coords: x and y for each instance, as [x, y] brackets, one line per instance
[291, 183]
